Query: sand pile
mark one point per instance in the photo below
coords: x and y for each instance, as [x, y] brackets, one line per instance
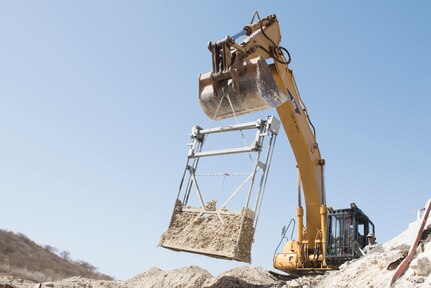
[244, 277]
[206, 234]
[196, 277]
[80, 282]
[187, 277]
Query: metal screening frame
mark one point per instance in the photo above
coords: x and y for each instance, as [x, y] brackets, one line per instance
[268, 127]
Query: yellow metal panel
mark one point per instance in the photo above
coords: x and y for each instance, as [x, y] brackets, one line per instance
[286, 261]
[304, 148]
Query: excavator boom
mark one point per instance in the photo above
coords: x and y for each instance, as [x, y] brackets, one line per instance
[242, 82]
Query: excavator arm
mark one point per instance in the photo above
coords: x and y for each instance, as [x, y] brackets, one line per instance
[242, 82]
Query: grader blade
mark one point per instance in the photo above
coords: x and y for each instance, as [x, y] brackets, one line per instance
[249, 88]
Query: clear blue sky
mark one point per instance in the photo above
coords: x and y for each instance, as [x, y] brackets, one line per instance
[97, 99]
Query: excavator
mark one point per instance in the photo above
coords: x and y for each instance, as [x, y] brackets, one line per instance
[251, 70]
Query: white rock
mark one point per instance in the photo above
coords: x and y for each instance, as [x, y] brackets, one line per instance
[421, 266]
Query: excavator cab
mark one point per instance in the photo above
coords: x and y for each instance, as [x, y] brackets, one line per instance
[345, 238]
[346, 235]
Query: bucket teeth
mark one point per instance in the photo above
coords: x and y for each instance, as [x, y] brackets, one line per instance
[254, 90]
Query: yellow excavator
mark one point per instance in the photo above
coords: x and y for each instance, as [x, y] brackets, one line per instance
[251, 71]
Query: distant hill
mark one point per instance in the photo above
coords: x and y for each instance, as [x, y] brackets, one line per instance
[20, 256]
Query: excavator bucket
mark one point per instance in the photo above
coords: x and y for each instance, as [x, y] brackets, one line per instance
[250, 88]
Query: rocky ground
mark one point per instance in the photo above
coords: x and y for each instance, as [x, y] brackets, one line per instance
[372, 270]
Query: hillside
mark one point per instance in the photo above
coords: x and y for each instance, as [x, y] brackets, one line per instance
[22, 257]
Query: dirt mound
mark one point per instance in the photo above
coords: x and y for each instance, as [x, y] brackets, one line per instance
[196, 277]
[187, 277]
[81, 282]
[151, 273]
[244, 277]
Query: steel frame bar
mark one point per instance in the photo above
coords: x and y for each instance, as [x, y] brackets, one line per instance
[237, 190]
[235, 127]
[264, 127]
[252, 148]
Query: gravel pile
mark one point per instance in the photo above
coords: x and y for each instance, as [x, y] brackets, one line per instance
[187, 277]
[244, 277]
